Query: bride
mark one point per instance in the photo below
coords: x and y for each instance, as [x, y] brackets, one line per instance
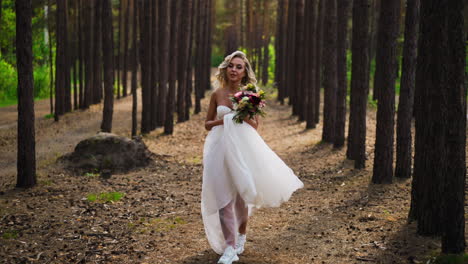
[240, 172]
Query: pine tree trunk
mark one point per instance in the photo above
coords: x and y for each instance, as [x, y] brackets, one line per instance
[406, 99]
[359, 84]
[26, 164]
[201, 9]
[342, 29]
[318, 78]
[296, 94]
[311, 67]
[164, 25]
[146, 66]
[330, 75]
[290, 69]
[385, 75]
[51, 56]
[154, 65]
[173, 53]
[189, 83]
[107, 52]
[184, 59]
[279, 49]
[61, 62]
[66, 71]
[126, 26]
[135, 68]
[453, 237]
[97, 59]
[89, 73]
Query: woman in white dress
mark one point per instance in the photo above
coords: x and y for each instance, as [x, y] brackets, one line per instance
[240, 172]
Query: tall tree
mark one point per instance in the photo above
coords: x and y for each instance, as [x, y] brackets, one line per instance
[319, 50]
[145, 25]
[97, 55]
[51, 56]
[291, 66]
[330, 75]
[406, 99]
[280, 49]
[61, 59]
[26, 164]
[311, 67]
[175, 15]
[342, 43]
[107, 52]
[153, 93]
[164, 59]
[437, 194]
[454, 86]
[134, 67]
[126, 26]
[359, 84]
[296, 92]
[184, 59]
[89, 47]
[385, 75]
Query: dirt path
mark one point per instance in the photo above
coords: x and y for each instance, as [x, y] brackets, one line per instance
[338, 217]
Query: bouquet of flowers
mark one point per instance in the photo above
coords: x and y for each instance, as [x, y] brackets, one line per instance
[248, 102]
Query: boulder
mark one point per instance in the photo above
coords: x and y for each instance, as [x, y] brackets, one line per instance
[110, 153]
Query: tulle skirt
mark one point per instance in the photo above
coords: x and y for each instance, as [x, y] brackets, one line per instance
[237, 163]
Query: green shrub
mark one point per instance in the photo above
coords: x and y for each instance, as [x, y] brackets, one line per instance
[8, 81]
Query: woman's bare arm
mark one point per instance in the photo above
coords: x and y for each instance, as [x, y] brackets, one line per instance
[253, 122]
[210, 121]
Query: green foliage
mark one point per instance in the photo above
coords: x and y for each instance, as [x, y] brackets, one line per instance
[105, 197]
[216, 57]
[449, 259]
[10, 234]
[8, 82]
[41, 82]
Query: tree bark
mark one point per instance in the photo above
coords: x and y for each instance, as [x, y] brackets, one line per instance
[146, 66]
[330, 81]
[125, 48]
[164, 31]
[174, 27]
[296, 94]
[318, 78]
[290, 69]
[453, 236]
[342, 29]
[385, 75]
[359, 84]
[89, 73]
[26, 163]
[311, 68]
[437, 195]
[135, 68]
[61, 61]
[107, 52]
[184, 58]
[406, 99]
[97, 56]
[154, 88]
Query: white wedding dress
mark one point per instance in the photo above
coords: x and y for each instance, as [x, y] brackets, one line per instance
[236, 161]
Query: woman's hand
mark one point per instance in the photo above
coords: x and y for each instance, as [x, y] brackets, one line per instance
[252, 122]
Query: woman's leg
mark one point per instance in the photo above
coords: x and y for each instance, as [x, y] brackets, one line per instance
[228, 223]
[242, 214]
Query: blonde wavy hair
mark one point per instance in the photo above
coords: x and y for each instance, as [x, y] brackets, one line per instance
[221, 75]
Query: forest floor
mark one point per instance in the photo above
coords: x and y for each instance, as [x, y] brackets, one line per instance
[338, 217]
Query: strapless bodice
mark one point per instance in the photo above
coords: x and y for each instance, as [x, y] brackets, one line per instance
[222, 110]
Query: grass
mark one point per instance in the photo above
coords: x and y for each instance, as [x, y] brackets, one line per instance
[105, 197]
[144, 225]
[10, 234]
[449, 259]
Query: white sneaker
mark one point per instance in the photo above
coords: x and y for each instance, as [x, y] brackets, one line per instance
[241, 239]
[229, 256]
